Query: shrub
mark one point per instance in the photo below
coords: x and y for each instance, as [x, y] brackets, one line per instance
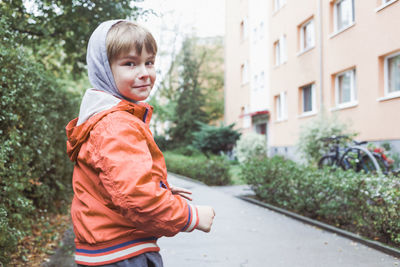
[364, 204]
[249, 146]
[34, 169]
[211, 171]
[162, 142]
[213, 139]
[310, 144]
[187, 151]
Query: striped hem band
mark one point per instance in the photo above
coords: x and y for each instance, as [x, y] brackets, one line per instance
[126, 250]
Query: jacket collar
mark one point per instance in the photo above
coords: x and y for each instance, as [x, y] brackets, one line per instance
[78, 134]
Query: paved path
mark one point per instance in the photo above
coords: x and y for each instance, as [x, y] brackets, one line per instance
[244, 234]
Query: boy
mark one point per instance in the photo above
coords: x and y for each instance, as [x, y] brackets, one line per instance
[122, 201]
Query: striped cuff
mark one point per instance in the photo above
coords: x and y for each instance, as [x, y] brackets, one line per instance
[193, 219]
[107, 255]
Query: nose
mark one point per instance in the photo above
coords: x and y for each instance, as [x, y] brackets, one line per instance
[143, 73]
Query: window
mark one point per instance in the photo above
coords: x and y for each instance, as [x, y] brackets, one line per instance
[246, 117]
[244, 73]
[277, 48]
[280, 51]
[280, 106]
[383, 4]
[345, 88]
[308, 98]
[307, 35]
[261, 30]
[344, 14]
[279, 4]
[262, 80]
[261, 128]
[255, 85]
[243, 29]
[255, 37]
[392, 74]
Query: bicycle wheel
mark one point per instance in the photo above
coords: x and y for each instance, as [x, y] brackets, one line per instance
[357, 159]
[326, 161]
[350, 160]
[368, 164]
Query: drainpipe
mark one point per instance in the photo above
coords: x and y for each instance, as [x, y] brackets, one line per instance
[321, 76]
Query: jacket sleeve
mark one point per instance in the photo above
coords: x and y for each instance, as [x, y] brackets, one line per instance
[125, 164]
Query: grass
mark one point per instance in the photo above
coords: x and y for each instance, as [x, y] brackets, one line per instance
[234, 172]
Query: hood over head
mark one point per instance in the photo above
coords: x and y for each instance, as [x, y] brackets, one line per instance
[99, 70]
[104, 98]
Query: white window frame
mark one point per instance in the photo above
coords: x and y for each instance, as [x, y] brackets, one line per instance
[262, 80]
[280, 51]
[313, 100]
[255, 35]
[243, 29]
[281, 107]
[261, 34]
[255, 83]
[246, 117]
[278, 4]
[303, 36]
[244, 69]
[385, 3]
[386, 75]
[283, 42]
[335, 12]
[277, 51]
[353, 93]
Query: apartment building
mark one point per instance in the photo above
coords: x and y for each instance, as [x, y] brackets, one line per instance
[247, 65]
[340, 56]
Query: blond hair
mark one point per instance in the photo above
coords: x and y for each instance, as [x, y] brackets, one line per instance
[125, 36]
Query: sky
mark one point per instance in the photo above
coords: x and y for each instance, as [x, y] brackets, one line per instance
[176, 19]
[173, 20]
[205, 17]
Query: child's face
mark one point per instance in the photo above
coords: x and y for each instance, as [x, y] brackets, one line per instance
[134, 74]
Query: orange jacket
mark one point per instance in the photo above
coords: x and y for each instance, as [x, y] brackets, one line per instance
[122, 201]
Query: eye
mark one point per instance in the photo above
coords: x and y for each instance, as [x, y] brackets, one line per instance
[130, 64]
[150, 63]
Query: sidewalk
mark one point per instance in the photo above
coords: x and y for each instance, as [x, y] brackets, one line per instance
[246, 235]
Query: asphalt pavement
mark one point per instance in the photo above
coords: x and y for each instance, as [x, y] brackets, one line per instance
[244, 234]
[247, 235]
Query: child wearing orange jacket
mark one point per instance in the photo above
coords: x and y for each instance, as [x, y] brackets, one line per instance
[122, 200]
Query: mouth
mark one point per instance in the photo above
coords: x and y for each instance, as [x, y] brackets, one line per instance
[141, 86]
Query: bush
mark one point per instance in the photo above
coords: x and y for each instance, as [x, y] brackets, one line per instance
[34, 169]
[162, 142]
[213, 139]
[310, 145]
[211, 171]
[249, 146]
[363, 204]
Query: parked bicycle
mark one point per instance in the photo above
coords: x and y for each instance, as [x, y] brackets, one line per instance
[355, 157]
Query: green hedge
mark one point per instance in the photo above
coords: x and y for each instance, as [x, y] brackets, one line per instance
[361, 203]
[211, 171]
[34, 170]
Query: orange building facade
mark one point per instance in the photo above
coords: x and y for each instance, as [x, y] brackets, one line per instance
[337, 56]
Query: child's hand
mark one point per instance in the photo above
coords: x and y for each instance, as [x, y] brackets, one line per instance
[181, 192]
[206, 217]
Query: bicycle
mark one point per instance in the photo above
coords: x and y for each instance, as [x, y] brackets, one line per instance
[355, 157]
[332, 158]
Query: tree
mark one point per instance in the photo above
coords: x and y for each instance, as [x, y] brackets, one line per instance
[192, 89]
[190, 97]
[58, 31]
[214, 139]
